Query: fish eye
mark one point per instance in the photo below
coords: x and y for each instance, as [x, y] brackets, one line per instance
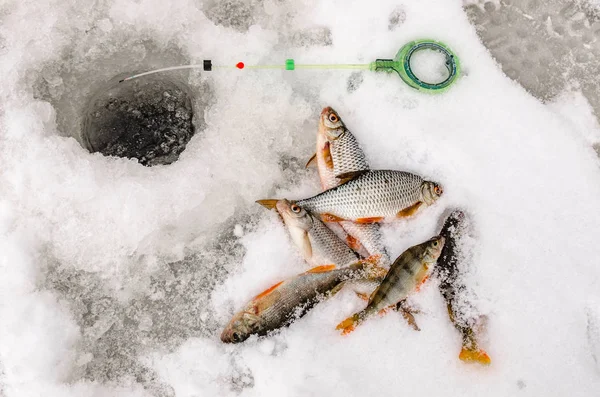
[236, 337]
[435, 244]
[437, 190]
[295, 208]
[333, 118]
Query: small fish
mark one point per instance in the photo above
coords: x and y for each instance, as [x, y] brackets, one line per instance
[339, 153]
[318, 244]
[408, 272]
[286, 301]
[372, 196]
[452, 288]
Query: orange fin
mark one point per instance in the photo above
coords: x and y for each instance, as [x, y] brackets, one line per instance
[326, 152]
[348, 325]
[321, 269]
[312, 160]
[373, 259]
[422, 282]
[268, 203]
[353, 242]
[475, 355]
[370, 220]
[385, 310]
[409, 211]
[268, 290]
[331, 218]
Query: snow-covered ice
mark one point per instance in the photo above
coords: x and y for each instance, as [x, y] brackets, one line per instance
[116, 279]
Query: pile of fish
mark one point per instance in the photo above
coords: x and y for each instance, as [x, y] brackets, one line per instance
[338, 234]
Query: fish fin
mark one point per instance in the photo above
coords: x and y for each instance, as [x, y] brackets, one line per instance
[374, 219]
[353, 242]
[348, 176]
[474, 355]
[336, 289]
[421, 283]
[349, 324]
[306, 246]
[268, 290]
[409, 211]
[326, 152]
[268, 203]
[362, 296]
[385, 310]
[312, 160]
[373, 259]
[408, 314]
[322, 269]
[330, 218]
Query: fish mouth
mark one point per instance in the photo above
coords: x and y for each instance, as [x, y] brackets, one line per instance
[230, 336]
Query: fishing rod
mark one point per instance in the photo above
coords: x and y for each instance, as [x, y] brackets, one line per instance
[400, 64]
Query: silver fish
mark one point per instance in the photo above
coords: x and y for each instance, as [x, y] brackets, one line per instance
[318, 244]
[338, 153]
[372, 196]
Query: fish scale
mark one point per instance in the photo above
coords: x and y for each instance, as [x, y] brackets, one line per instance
[347, 155]
[328, 246]
[375, 193]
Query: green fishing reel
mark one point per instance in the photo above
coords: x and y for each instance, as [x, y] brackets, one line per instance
[401, 65]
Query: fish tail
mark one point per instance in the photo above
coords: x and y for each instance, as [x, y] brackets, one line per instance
[349, 324]
[268, 203]
[474, 354]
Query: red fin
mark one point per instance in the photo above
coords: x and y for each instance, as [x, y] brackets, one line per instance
[313, 159]
[268, 290]
[326, 153]
[331, 218]
[369, 220]
[475, 355]
[409, 211]
[321, 269]
[353, 242]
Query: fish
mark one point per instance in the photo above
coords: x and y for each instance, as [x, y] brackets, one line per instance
[453, 288]
[338, 153]
[371, 196]
[283, 303]
[408, 272]
[318, 244]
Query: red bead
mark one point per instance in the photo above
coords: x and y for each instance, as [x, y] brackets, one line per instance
[240, 65]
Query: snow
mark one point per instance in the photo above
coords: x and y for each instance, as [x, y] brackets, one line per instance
[117, 278]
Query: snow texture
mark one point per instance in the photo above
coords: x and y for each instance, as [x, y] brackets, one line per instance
[117, 278]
